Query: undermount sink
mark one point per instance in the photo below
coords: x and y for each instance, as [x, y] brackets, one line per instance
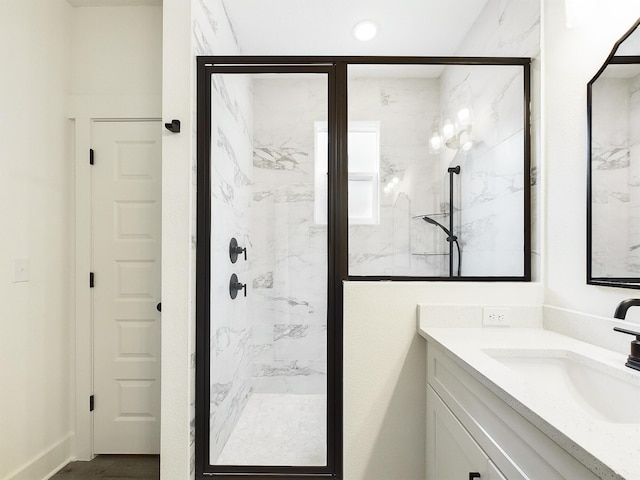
[603, 391]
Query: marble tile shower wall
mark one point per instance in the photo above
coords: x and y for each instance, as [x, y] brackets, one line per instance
[231, 192]
[489, 192]
[507, 28]
[289, 248]
[400, 244]
[616, 176]
[232, 152]
[289, 258]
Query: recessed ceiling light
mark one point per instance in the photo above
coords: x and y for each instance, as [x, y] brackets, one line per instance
[365, 30]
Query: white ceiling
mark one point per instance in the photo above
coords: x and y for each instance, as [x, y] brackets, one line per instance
[323, 27]
[113, 3]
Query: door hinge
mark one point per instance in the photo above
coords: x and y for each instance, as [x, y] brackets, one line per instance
[91, 403]
[91, 280]
[91, 156]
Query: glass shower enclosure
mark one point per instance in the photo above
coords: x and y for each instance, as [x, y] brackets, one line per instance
[313, 171]
[271, 366]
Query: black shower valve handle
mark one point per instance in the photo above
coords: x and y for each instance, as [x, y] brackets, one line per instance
[235, 286]
[235, 250]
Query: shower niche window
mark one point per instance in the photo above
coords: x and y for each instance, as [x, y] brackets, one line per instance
[363, 167]
[315, 171]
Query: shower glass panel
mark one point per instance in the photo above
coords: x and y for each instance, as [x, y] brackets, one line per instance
[268, 355]
[450, 145]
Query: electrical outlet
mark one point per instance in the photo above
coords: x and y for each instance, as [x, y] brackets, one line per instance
[496, 316]
[20, 270]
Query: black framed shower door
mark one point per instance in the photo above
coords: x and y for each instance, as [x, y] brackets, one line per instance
[212, 72]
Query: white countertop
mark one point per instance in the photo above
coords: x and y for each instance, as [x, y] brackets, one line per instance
[610, 450]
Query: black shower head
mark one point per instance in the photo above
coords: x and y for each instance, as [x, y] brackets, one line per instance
[430, 220]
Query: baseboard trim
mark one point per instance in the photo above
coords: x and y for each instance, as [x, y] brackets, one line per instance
[45, 465]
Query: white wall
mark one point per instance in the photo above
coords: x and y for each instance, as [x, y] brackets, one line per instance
[64, 62]
[116, 51]
[116, 63]
[178, 336]
[36, 178]
[570, 58]
[385, 370]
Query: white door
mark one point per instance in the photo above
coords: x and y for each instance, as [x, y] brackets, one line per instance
[126, 196]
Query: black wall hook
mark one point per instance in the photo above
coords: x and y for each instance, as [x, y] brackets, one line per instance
[174, 126]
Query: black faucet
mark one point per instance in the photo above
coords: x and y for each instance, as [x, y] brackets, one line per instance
[633, 360]
[623, 306]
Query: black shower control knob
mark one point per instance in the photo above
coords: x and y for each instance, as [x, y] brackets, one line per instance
[235, 286]
[235, 250]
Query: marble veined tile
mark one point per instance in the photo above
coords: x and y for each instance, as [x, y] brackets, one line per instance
[281, 157]
[300, 342]
[293, 368]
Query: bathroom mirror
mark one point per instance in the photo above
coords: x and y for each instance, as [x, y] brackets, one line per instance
[613, 193]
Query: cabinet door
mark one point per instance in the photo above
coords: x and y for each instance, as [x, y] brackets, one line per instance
[452, 454]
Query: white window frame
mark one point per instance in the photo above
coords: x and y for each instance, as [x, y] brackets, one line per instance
[321, 172]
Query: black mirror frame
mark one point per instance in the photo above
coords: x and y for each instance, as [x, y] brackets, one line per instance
[612, 59]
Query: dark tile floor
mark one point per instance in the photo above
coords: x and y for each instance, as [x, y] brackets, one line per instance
[112, 467]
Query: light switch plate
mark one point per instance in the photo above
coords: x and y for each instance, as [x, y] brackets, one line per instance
[20, 270]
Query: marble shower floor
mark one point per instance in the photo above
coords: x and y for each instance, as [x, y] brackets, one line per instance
[279, 429]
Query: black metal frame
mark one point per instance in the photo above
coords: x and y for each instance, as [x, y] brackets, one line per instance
[612, 59]
[452, 171]
[336, 70]
[337, 235]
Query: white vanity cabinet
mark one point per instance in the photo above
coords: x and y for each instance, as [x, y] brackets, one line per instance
[470, 429]
[453, 454]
